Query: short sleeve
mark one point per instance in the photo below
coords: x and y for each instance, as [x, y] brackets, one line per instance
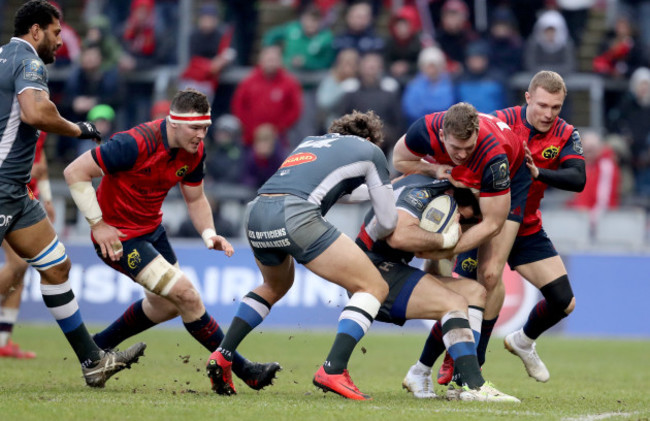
[572, 149]
[31, 73]
[417, 138]
[196, 176]
[496, 176]
[118, 154]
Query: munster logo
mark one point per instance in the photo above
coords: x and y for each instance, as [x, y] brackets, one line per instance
[134, 259]
[299, 158]
[469, 264]
[182, 171]
[551, 152]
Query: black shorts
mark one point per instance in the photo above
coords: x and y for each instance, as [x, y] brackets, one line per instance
[401, 279]
[278, 226]
[519, 187]
[525, 249]
[140, 251]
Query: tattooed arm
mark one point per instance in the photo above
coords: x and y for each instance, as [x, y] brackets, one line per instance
[38, 111]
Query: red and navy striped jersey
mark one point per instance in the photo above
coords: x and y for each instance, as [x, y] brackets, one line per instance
[497, 157]
[139, 170]
[549, 150]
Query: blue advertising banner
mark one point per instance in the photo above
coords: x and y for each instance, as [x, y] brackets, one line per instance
[611, 292]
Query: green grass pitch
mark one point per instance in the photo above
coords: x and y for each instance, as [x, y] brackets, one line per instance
[591, 379]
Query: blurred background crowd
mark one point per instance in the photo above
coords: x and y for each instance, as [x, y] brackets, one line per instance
[279, 70]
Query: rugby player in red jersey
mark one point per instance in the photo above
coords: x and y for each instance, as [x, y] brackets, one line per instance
[138, 168]
[554, 157]
[480, 152]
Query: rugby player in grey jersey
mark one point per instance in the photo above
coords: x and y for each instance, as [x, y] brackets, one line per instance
[286, 221]
[26, 108]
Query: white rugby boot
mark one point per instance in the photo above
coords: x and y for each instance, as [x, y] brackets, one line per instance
[524, 348]
[419, 382]
[485, 393]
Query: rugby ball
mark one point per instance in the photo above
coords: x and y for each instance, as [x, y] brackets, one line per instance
[440, 214]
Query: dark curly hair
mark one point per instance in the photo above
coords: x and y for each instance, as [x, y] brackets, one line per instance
[40, 12]
[366, 125]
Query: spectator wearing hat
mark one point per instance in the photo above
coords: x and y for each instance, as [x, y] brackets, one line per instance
[210, 52]
[550, 47]
[225, 154]
[305, 44]
[103, 117]
[506, 44]
[431, 90]
[403, 45]
[455, 33]
[481, 84]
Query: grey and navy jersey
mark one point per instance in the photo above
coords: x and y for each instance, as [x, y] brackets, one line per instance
[20, 69]
[323, 168]
[412, 194]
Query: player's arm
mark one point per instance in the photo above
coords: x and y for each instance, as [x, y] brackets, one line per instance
[37, 110]
[408, 236]
[200, 213]
[406, 162]
[495, 210]
[78, 175]
[39, 173]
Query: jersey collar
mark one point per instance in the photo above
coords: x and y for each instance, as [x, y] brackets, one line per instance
[533, 130]
[22, 40]
[163, 131]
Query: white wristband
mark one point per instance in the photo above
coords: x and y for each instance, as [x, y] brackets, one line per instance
[451, 236]
[85, 198]
[44, 190]
[207, 235]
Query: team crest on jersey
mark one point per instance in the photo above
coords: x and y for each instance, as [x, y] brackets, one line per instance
[182, 171]
[134, 259]
[469, 264]
[577, 144]
[418, 198]
[500, 175]
[551, 152]
[299, 158]
[34, 70]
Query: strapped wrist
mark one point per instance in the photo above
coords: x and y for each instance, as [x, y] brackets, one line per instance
[207, 235]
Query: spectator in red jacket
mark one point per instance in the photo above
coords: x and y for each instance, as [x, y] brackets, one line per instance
[603, 177]
[269, 94]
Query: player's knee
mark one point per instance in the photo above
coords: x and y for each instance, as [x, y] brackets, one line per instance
[186, 296]
[455, 302]
[475, 293]
[52, 262]
[559, 295]
[489, 278]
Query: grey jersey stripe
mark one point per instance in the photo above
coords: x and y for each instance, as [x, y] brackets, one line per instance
[10, 131]
[355, 169]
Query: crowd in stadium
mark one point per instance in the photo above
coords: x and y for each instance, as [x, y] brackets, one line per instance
[402, 59]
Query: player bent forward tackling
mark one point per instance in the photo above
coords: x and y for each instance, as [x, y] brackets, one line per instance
[126, 222]
[414, 294]
[286, 221]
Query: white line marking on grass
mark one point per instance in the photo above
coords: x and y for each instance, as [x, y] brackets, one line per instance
[602, 416]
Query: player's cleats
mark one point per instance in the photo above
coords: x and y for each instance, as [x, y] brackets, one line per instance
[446, 372]
[258, 375]
[12, 350]
[419, 383]
[339, 383]
[485, 393]
[453, 393]
[220, 374]
[110, 363]
[534, 365]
